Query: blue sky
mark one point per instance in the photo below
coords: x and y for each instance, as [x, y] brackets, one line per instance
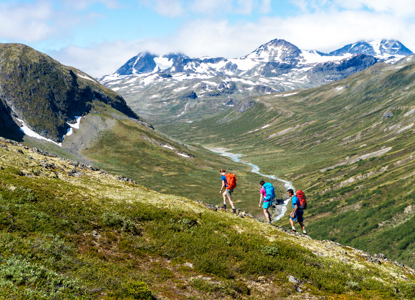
[98, 36]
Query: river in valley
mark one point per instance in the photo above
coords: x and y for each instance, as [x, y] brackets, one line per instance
[280, 208]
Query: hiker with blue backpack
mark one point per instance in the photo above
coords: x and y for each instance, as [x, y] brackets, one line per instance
[267, 196]
[299, 203]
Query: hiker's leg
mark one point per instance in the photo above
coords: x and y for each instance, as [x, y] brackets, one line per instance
[292, 223]
[302, 225]
[224, 197]
[230, 201]
[266, 214]
[229, 194]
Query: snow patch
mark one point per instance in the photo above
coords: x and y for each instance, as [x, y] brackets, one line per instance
[85, 77]
[26, 130]
[168, 147]
[180, 89]
[184, 155]
[73, 126]
[285, 95]
[184, 110]
[163, 63]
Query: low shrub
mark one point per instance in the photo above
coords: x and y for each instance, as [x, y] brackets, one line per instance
[270, 250]
[136, 290]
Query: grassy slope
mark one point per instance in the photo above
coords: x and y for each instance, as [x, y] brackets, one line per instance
[365, 201]
[94, 236]
[136, 151]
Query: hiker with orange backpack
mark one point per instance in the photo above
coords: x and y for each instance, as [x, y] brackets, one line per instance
[228, 183]
[299, 203]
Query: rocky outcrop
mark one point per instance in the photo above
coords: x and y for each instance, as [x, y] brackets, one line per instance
[46, 94]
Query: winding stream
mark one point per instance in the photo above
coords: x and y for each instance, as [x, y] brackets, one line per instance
[255, 169]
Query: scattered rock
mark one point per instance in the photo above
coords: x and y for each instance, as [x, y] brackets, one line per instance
[20, 151]
[190, 265]
[380, 255]
[293, 279]
[96, 290]
[387, 114]
[373, 260]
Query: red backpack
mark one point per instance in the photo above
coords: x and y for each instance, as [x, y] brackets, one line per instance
[302, 203]
[231, 181]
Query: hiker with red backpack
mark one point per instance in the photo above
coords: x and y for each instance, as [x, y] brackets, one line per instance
[299, 203]
[267, 196]
[228, 183]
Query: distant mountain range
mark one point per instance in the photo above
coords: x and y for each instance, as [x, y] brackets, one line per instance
[277, 54]
[159, 87]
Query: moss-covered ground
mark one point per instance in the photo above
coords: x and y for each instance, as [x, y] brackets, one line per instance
[84, 234]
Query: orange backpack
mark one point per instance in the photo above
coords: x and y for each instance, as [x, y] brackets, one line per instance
[302, 203]
[231, 181]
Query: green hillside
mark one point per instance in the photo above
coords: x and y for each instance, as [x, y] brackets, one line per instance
[70, 232]
[46, 94]
[348, 144]
[156, 161]
[124, 146]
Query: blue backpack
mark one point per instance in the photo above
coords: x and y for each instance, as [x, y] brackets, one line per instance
[269, 191]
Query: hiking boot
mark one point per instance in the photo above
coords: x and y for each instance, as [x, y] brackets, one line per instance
[234, 210]
[293, 230]
[223, 206]
[304, 232]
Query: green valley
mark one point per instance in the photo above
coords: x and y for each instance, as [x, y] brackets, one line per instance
[349, 144]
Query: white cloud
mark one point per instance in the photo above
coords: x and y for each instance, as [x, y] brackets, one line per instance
[399, 8]
[26, 22]
[218, 7]
[265, 7]
[324, 25]
[98, 59]
[245, 7]
[211, 6]
[395, 7]
[82, 4]
[167, 8]
[220, 38]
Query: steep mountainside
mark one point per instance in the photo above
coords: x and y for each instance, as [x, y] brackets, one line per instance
[175, 87]
[72, 232]
[45, 95]
[348, 144]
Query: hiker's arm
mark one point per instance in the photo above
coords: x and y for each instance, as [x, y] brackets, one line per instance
[223, 185]
[260, 199]
[294, 210]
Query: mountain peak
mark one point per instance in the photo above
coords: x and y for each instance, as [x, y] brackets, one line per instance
[379, 48]
[277, 50]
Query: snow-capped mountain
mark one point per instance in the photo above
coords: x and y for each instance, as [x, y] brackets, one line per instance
[380, 49]
[158, 86]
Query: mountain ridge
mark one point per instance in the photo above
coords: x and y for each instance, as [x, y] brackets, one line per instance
[159, 90]
[268, 52]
